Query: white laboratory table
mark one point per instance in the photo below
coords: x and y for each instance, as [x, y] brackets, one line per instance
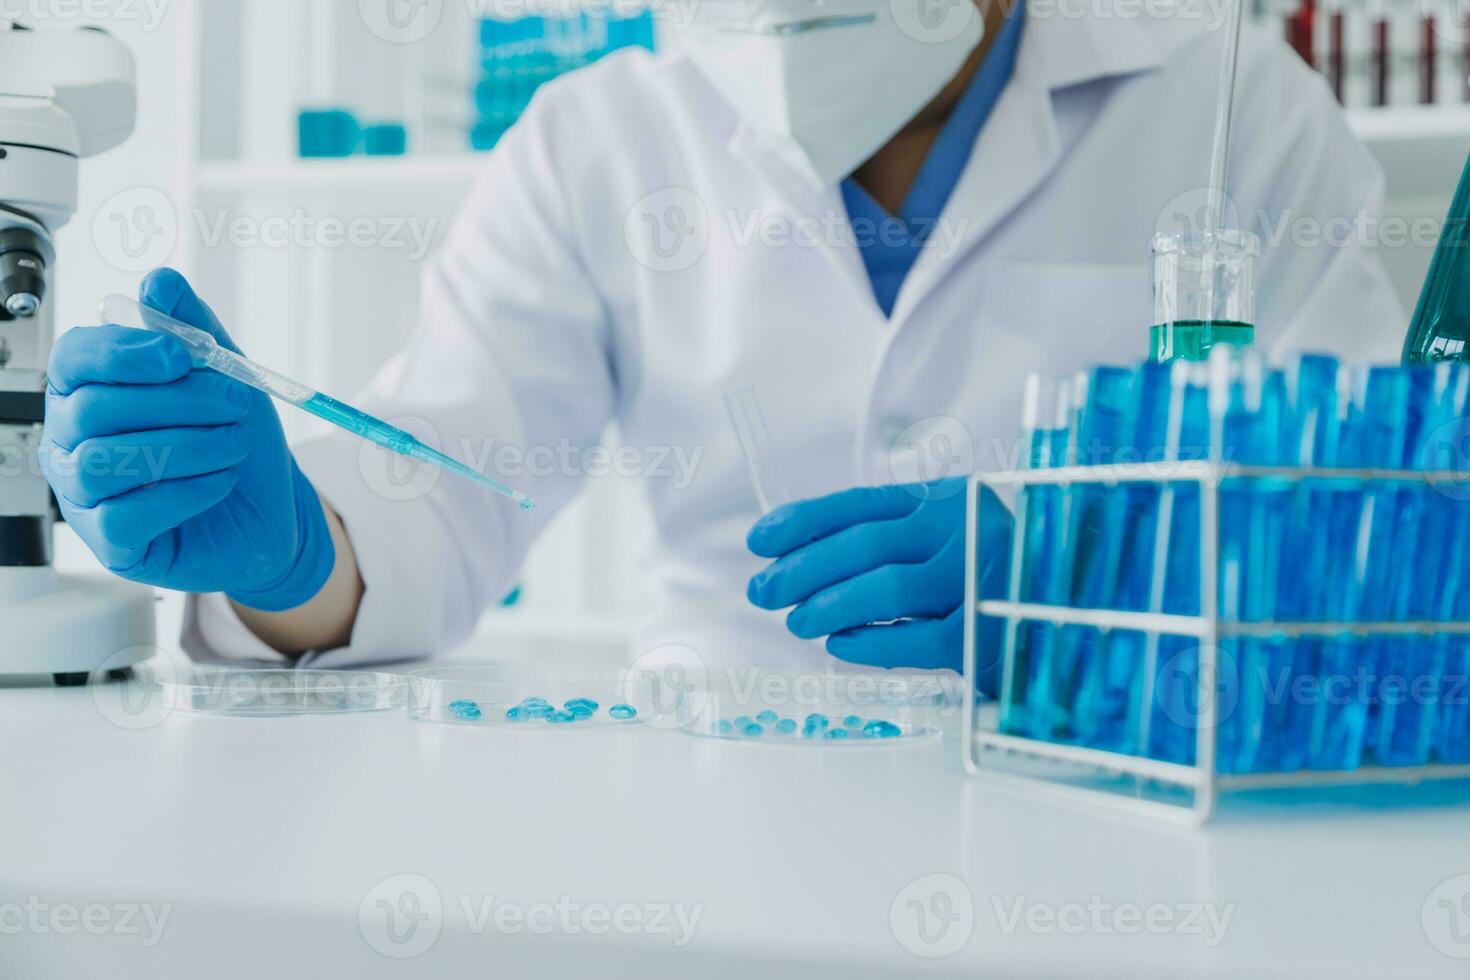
[263, 841]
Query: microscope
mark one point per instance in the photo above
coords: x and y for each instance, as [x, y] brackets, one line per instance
[64, 95]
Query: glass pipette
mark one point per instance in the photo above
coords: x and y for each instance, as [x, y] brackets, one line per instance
[206, 353]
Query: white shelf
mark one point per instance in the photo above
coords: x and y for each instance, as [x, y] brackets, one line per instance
[1411, 123]
[1422, 149]
[349, 173]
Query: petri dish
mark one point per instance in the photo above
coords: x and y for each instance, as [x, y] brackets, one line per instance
[830, 710]
[274, 693]
[516, 697]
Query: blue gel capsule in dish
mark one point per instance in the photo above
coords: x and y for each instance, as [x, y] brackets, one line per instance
[461, 705]
[837, 733]
[786, 726]
[881, 729]
[581, 712]
[767, 717]
[517, 714]
[622, 712]
[744, 720]
[587, 703]
[753, 730]
[816, 720]
[468, 714]
[853, 721]
[535, 700]
[724, 726]
[561, 717]
[535, 710]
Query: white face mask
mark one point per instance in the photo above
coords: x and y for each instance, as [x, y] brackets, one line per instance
[829, 82]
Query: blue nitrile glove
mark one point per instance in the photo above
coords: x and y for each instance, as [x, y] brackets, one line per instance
[175, 477]
[880, 571]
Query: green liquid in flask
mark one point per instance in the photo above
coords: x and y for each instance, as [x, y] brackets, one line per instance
[1192, 340]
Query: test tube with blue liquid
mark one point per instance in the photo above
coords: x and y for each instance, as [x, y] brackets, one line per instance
[1111, 703]
[206, 353]
[1091, 548]
[1036, 576]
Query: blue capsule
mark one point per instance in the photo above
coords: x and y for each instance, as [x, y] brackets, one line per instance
[881, 729]
[743, 721]
[581, 712]
[461, 705]
[786, 726]
[561, 717]
[468, 714]
[534, 700]
[836, 733]
[753, 730]
[622, 712]
[767, 717]
[587, 703]
[517, 714]
[853, 721]
[816, 720]
[535, 710]
[724, 726]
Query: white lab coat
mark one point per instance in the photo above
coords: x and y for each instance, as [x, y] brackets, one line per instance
[547, 315]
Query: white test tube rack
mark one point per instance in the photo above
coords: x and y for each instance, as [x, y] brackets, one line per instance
[1119, 781]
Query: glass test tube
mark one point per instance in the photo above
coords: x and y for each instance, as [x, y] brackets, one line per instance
[1204, 293]
[755, 442]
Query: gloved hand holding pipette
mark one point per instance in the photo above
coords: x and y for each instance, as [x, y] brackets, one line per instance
[176, 477]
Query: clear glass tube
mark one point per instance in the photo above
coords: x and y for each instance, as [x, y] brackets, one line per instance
[755, 442]
[1204, 293]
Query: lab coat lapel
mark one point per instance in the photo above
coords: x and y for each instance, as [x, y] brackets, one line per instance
[1016, 151]
[1020, 144]
[805, 201]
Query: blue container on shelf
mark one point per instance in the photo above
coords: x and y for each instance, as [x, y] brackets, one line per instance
[327, 133]
[385, 140]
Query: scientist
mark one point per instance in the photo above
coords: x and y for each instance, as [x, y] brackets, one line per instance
[880, 215]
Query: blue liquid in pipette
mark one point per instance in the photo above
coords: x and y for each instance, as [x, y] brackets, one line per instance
[390, 437]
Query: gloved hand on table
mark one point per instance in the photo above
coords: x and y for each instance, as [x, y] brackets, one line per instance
[880, 571]
[176, 477]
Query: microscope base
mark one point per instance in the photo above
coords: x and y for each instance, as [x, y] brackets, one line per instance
[85, 625]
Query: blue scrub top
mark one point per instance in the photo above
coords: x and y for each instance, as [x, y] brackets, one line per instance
[890, 254]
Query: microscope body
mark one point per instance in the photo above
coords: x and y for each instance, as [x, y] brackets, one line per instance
[63, 96]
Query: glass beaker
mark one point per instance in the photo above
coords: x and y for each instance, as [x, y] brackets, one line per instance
[1204, 293]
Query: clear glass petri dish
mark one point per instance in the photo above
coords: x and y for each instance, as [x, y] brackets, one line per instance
[534, 698]
[831, 710]
[274, 693]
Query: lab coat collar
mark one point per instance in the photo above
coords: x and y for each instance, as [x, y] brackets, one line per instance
[804, 199]
[1071, 42]
[1020, 144]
